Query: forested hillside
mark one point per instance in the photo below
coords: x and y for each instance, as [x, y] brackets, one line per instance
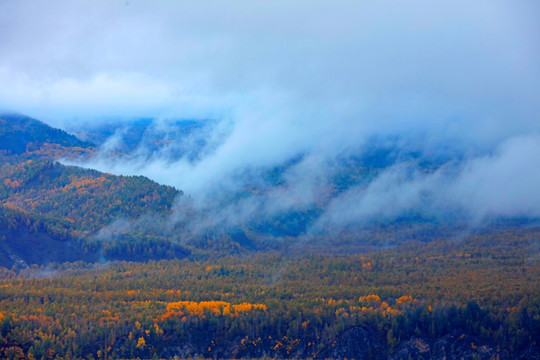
[23, 137]
[85, 197]
[53, 212]
[146, 137]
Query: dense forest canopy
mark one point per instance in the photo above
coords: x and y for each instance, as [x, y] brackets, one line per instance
[478, 297]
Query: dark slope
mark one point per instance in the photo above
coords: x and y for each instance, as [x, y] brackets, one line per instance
[30, 239]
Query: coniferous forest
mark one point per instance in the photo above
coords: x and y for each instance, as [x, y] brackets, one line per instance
[421, 301]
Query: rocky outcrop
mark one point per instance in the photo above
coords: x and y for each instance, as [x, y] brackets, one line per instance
[355, 343]
[458, 345]
[415, 348]
[362, 343]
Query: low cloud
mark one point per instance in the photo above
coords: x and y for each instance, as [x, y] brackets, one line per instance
[500, 184]
[309, 192]
[504, 183]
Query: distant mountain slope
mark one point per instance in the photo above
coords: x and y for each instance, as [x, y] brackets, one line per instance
[23, 135]
[386, 191]
[143, 138]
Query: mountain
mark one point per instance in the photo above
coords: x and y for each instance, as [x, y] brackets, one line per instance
[132, 217]
[256, 287]
[53, 212]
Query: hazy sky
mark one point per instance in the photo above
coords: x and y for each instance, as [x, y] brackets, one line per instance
[289, 77]
[405, 64]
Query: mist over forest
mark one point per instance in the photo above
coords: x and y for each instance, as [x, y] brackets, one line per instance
[284, 179]
[322, 188]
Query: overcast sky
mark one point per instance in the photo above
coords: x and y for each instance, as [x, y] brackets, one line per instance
[404, 64]
[292, 77]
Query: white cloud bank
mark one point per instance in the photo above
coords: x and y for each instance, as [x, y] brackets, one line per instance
[398, 64]
[504, 183]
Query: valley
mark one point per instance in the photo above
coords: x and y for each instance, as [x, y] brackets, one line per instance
[97, 265]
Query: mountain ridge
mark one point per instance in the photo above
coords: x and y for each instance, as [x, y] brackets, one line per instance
[120, 217]
[21, 134]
